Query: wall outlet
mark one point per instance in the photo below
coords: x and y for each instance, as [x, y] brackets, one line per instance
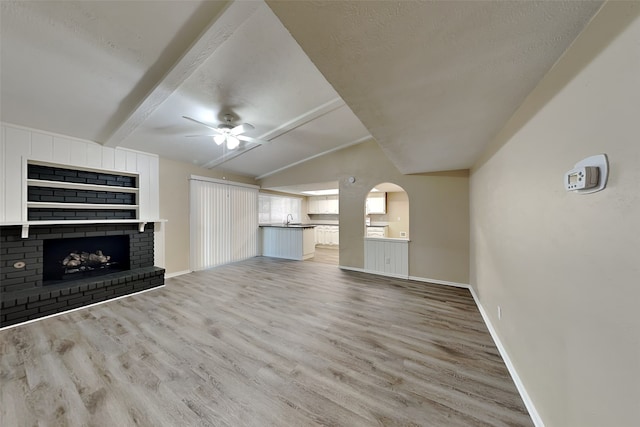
[499, 313]
[403, 234]
[387, 261]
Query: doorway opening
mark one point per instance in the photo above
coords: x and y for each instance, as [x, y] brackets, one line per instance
[323, 211]
[386, 212]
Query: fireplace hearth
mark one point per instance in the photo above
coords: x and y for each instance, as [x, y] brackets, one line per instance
[62, 267]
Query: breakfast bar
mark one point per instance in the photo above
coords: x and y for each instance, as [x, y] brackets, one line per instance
[288, 241]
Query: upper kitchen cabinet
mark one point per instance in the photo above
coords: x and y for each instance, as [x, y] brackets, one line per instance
[376, 203]
[323, 205]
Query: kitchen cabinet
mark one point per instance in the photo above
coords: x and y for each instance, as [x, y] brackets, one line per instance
[377, 231]
[323, 205]
[319, 234]
[376, 203]
[327, 235]
[333, 235]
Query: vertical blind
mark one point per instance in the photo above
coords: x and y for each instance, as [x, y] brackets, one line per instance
[224, 223]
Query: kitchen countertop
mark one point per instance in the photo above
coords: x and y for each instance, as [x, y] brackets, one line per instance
[288, 225]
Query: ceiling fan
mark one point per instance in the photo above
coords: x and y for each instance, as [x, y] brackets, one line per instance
[228, 133]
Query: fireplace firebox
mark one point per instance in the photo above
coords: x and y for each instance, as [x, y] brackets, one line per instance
[79, 258]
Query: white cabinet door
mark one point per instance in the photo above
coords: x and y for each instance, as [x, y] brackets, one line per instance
[377, 203]
[335, 235]
[333, 205]
[376, 231]
[313, 205]
[323, 205]
[329, 235]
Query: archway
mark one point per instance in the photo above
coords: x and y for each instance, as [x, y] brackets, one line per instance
[386, 212]
[386, 235]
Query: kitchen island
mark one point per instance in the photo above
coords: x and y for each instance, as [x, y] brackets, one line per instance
[292, 241]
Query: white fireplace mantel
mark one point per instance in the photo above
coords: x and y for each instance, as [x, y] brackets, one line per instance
[26, 224]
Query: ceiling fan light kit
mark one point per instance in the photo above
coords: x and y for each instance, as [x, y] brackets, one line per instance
[232, 142]
[228, 133]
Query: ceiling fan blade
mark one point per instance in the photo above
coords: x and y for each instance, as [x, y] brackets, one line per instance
[249, 139]
[202, 123]
[241, 129]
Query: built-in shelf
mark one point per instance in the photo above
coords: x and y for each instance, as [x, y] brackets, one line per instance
[80, 186]
[61, 205]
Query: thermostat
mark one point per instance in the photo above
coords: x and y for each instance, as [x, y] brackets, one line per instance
[581, 178]
[588, 175]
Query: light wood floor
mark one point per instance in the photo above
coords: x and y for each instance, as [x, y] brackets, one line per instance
[326, 255]
[263, 342]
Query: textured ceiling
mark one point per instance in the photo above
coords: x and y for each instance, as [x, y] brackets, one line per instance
[432, 82]
[79, 68]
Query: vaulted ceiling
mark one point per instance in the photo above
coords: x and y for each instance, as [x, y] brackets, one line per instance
[432, 82]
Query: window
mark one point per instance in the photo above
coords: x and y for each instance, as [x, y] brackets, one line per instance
[274, 209]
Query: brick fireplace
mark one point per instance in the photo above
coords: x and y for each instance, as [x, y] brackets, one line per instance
[25, 295]
[78, 222]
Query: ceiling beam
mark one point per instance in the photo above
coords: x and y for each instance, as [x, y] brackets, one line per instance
[315, 156]
[218, 31]
[292, 124]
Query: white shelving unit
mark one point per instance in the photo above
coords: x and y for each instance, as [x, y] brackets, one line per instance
[62, 205]
[79, 186]
[66, 185]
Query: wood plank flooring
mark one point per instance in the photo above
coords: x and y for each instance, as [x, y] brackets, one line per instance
[326, 255]
[263, 342]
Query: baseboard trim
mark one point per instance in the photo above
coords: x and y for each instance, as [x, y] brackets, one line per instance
[440, 282]
[81, 308]
[414, 278]
[377, 273]
[176, 274]
[359, 270]
[533, 413]
[535, 416]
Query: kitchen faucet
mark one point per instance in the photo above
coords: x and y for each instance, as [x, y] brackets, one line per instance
[289, 221]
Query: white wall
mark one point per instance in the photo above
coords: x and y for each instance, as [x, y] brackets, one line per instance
[19, 144]
[565, 268]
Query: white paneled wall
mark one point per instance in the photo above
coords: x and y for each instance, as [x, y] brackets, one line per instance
[224, 222]
[282, 242]
[387, 256]
[19, 145]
